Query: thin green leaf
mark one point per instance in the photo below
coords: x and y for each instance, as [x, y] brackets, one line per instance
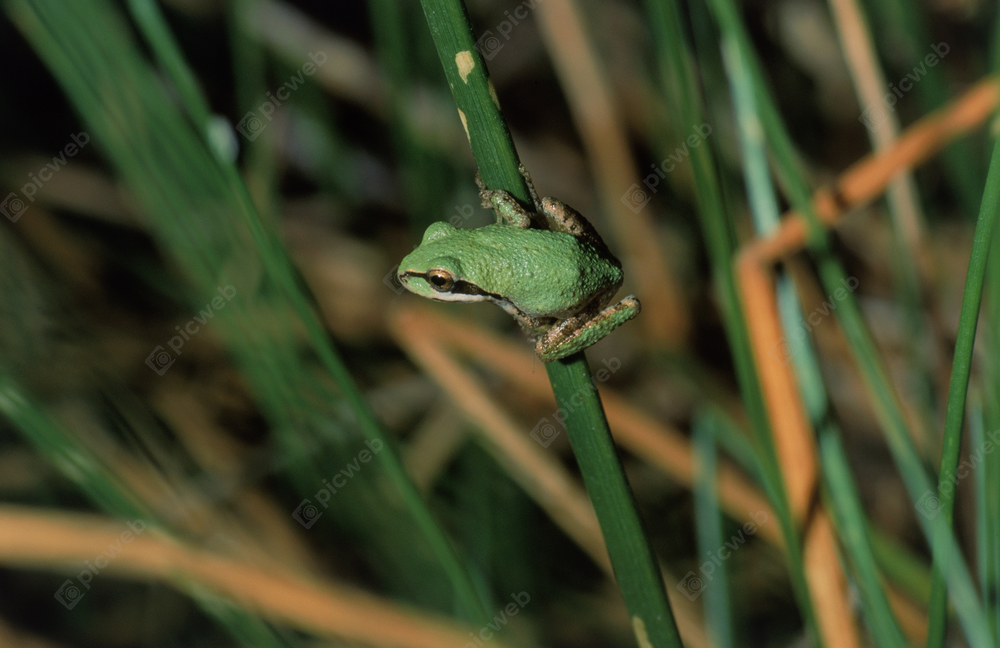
[959, 386]
[849, 519]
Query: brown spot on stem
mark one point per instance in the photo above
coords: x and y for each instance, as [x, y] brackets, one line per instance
[640, 632]
[465, 64]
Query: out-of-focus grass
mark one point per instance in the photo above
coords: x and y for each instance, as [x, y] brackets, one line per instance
[708, 518]
[202, 214]
[958, 387]
[241, 443]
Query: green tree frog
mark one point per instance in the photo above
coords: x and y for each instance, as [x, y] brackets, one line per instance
[549, 269]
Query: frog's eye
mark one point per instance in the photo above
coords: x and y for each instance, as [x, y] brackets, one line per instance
[440, 280]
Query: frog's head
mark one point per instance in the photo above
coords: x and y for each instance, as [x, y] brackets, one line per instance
[434, 270]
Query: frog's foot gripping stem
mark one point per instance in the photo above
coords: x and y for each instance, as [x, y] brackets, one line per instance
[504, 205]
[484, 193]
[487, 195]
[577, 333]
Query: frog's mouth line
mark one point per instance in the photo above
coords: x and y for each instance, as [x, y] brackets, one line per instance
[460, 291]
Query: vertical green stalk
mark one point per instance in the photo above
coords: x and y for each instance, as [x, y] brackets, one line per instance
[150, 21]
[683, 91]
[832, 276]
[470, 84]
[631, 556]
[959, 387]
[986, 525]
[911, 469]
[990, 520]
[766, 219]
[852, 529]
[708, 522]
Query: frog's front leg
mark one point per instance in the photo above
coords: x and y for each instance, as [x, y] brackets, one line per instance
[577, 333]
[506, 207]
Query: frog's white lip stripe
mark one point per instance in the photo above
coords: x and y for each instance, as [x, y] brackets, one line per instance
[457, 297]
[462, 291]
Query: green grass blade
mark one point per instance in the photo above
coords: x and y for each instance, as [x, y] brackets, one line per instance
[981, 484]
[756, 175]
[678, 82]
[204, 218]
[787, 161]
[148, 17]
[468, 79]
[852, 528]
[905, 25]
[764, 209]
[959, 386]
[901, 565]
[908, 462]
[708, 523]
[680, 85]
[66, 452]
[631, 556]
[832, 276]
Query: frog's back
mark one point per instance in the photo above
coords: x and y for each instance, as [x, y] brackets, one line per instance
[543, 273]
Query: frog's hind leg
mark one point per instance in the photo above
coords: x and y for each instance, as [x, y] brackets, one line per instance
[560, 217]
[577, 333]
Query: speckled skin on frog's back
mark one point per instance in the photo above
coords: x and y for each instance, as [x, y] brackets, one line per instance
[508, 261]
